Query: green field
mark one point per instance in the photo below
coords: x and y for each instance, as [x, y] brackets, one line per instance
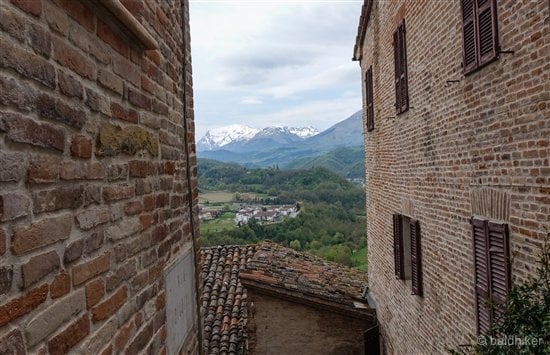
[224, 222]
[359, 259]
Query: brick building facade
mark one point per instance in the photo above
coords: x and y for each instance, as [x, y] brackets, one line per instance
[98, 189]
[456, 110]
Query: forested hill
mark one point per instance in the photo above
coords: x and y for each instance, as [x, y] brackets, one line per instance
[315, 184]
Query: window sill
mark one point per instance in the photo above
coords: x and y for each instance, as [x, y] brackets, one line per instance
[125, 22]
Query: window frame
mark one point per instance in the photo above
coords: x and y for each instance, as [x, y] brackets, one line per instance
[401, 70]
[408, 265]
[369, 99]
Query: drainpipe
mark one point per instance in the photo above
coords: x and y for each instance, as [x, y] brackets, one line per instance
[196, 246]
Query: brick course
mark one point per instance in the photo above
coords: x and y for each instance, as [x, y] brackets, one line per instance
[485, 134]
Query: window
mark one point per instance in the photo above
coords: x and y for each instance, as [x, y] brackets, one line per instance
[369, 97]
[492, 271]
[400, 62]
[480, 34]
[407, 252]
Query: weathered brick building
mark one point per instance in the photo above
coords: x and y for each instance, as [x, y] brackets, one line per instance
[457, 127]
[98, 189]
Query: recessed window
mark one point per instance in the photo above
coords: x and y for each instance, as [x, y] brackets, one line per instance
[369, 99]
[407, 252]
[400, 64]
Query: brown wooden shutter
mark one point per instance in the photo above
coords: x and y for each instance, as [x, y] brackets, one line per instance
[398, 246]
[403, 71]
[397, 79]
[370, 100]
[487, 31]
[499, 266]
[416, 258]
[481, 276]
[400, 62]
[480, 33]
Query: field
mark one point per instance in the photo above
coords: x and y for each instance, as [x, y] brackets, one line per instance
[359, 259]
[214, 197]
[224, 222]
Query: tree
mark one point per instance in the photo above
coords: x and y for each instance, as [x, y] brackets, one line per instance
[295, 244]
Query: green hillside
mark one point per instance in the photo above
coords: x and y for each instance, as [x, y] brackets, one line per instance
[347, 162]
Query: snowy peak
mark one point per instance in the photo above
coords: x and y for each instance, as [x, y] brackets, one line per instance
[240, 134]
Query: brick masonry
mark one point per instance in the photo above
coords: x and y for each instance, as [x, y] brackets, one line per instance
[463, 138]
[97, 186]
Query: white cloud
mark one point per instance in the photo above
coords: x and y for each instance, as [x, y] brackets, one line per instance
[251, 100]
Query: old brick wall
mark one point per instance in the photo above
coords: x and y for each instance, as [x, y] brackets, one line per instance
[96, 190]
[485, 135]
[277, 326]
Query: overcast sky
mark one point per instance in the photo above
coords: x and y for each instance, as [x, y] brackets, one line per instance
[264, 63]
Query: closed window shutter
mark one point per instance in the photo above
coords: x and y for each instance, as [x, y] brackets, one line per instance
[482, 281]
[403, 71]
[416, 259]
[499, 266]
[398, 246]
[397, 74]
[480, 33]
[487, 31]
[469, 35]
[370, 100]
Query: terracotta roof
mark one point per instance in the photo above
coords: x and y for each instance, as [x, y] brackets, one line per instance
[284, 271]
[304, 274]
[223, 300]
[362, 29]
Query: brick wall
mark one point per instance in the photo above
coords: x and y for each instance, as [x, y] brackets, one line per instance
[97, 184]
[484, 135]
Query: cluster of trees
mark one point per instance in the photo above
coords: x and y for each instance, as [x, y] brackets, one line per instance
[331, 222]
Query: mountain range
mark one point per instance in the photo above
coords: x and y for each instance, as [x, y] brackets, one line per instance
[288, 146]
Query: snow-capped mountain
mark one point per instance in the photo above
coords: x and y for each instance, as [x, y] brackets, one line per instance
[236, 137]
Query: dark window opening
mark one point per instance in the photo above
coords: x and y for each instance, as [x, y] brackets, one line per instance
[480, 33]
[407, 251]
[400, 64]
[369, 98]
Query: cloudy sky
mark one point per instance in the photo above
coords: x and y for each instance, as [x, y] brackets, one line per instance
[263, 63]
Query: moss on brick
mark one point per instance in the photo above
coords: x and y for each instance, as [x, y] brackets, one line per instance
[114, 140]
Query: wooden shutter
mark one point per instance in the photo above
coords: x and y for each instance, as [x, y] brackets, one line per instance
[416, 259]
[480, 33]
[492, 271]
[400, 62]
[499, 266]
[487, 31]
[398, 246]
[481, 276]
[397, 74]
[370, 99]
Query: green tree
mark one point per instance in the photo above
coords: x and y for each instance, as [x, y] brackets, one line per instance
[295, 244]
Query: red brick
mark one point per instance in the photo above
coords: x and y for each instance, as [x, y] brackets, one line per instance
[135, 7]
[95, 290]
[127, 70]
[169, 168]
[108, 307]
[69, 85]
[91, 269]
[33, 7]
[148, 85]
[146, 220]
[26, 63]
[118, 192]
[55, 109]
[43, 168]
[39, 267]
[132, 208]
[107, 351]
[24, 130]
[70, 57]
[12, 343]
[106, 34]
[80, 12]
[81, 146]
[13, 205]
[142, 337]
[148, 203]
[138, 99]
[141, 168]
[61, 285]
[123, 336]
[70, 336]
[40, 40]
[40, 233]
[110, 81]
[154, 56]
[78, 170]
[58, 198]
[18, 307]
[121, 113]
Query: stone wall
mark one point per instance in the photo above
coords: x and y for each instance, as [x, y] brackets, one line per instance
[97, 183]
[467, 145]
[278, 326]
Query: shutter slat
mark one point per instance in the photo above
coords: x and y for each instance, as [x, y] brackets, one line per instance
[482, 280]
[416, 261]
[370, 100]
[403, 78]
[397, 79]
